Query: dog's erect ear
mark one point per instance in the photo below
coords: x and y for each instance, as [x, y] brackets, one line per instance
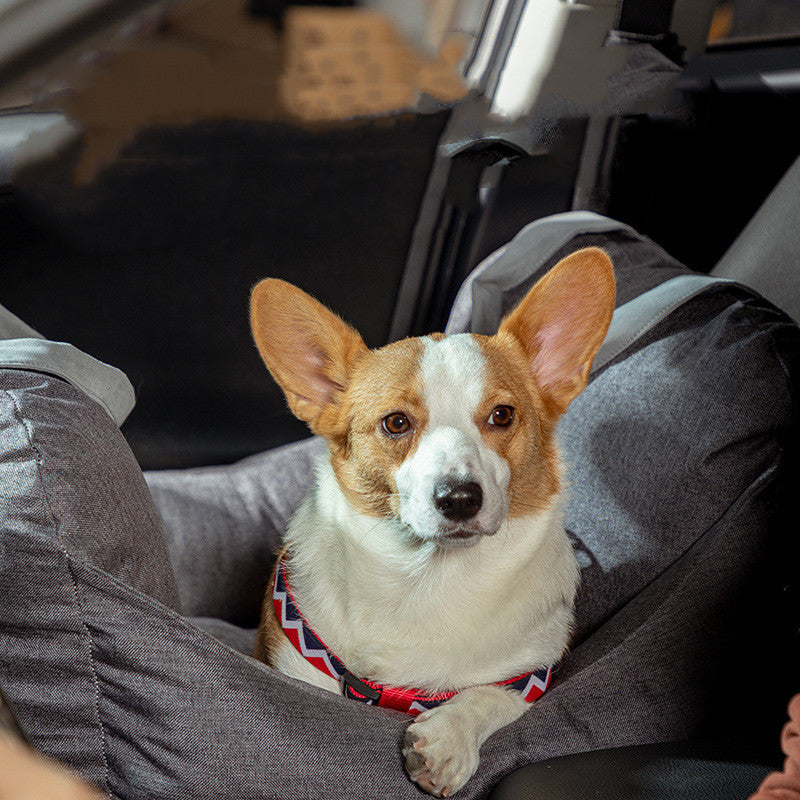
[562, 322]
[306, 347]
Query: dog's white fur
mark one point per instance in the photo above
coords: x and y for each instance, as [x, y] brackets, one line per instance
[411, 614]
[403, 601]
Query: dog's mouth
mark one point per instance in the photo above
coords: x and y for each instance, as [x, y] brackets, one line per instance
[462, 533]
[451, 537]
[432, 527]
[461, 536]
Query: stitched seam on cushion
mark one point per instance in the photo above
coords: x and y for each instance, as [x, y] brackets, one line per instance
[655, 318]
[176, 618]
[747, 313]
[192, 631]
[654, 322]
[59, 543]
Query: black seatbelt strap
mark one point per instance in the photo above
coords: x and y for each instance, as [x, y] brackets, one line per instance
[648, 21]
[644, 19]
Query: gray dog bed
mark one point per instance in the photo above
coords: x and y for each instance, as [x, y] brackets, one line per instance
[126, 615]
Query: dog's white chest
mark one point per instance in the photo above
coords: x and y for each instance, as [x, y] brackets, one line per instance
[409, 616]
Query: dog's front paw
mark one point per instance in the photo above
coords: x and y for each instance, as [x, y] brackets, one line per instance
[440, 755]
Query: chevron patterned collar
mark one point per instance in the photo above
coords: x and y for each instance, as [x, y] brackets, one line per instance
[531, 685]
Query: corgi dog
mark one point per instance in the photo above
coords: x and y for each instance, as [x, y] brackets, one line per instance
[429, 569]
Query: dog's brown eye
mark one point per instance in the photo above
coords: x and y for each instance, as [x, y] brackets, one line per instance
[395, 424]
[501, 416]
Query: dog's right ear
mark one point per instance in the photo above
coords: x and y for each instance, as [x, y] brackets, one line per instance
[307, 348]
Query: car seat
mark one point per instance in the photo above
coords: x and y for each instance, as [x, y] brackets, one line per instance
[125, 635]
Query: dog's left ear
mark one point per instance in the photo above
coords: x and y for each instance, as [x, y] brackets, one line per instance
[562, 322]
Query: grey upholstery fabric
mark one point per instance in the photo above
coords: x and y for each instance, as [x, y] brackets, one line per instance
[764, 254]
[635, 318]
[675, 452]
[22, 347]
[224, 524]
[106, 385]
[501, 280]
[12, 327]
[484, 296]
[71, 498]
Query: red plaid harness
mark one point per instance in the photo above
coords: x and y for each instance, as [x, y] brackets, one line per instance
[531, 685]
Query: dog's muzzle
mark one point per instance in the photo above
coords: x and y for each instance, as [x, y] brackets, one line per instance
[453, 489]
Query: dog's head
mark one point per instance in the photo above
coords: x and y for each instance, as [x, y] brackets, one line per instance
[448, 434]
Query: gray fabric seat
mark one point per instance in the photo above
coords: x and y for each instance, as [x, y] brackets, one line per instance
[764, 254]
[124, 642]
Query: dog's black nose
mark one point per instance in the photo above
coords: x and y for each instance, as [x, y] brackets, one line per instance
[457, 500]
